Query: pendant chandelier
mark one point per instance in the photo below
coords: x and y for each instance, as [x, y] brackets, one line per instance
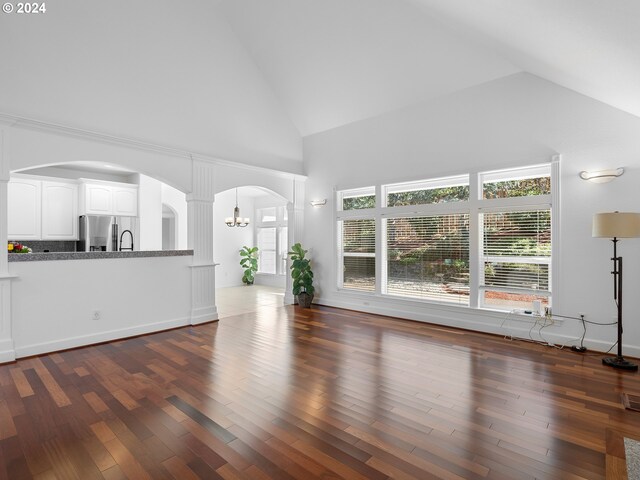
[236, 220]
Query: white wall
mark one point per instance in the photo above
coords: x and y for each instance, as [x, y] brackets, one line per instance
[178, 78]
[227, 241]
[67, 292]
[516, 120]
[149, 213]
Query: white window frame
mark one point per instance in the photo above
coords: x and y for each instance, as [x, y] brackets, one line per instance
[278, 224]
[474, 207]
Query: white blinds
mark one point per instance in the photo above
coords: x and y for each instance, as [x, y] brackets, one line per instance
[517, 249]
[267, 250]
[358, 254]
[428, 257]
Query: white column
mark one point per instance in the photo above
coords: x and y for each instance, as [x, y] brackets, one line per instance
[295, 225]
[7, 352]
[200, 239]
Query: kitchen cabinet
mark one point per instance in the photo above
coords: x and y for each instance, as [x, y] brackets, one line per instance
[125, 201]
[109, 198]
[42, 209]
[98, 200]
[59, 211]
[25, 209]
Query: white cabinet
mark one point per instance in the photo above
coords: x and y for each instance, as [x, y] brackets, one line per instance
[109, 198]
[98, 200]
[42, 209]
[125, 201]
[25, 209]
[59, 211]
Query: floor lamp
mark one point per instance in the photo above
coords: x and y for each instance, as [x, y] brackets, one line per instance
[616, 225]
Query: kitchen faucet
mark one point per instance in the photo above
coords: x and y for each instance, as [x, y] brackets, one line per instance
[122, 235]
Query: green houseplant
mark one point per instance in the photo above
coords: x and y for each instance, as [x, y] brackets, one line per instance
[249, 262]
[302, 276]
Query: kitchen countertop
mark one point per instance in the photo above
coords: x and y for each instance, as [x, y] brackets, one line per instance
[35, 257]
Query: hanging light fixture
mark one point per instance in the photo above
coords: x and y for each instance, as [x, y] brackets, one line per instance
[236, 220]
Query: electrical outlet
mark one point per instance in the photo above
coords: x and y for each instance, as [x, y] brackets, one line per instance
[96, 315]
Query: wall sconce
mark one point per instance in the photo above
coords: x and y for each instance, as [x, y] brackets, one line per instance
[318, 203]
[601, 176]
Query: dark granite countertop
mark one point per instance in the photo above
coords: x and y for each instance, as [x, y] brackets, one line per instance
[35, 257]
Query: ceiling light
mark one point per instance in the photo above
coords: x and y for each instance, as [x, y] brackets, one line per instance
[601, 176]
[236, 220]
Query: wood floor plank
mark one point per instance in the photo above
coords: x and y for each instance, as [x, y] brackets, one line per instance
[21, 382]
[297, 394]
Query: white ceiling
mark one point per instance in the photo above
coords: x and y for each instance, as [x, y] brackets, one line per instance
[590, 46]
[333, 62]
[246, 79]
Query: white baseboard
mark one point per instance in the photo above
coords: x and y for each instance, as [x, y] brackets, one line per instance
[7, 351]
[83, 340]
[203, 315]
[485, 321]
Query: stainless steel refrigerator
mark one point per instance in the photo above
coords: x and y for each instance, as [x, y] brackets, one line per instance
[104, 233]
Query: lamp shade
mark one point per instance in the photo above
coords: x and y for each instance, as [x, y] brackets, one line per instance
[616, 225]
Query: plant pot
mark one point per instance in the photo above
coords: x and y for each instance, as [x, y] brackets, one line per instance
[304, 299]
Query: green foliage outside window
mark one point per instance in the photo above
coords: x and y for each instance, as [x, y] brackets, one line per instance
[358, 203]
[429, 196]
[517, 188]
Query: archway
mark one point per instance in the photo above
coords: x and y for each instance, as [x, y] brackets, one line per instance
[169, 228]
[268, 230]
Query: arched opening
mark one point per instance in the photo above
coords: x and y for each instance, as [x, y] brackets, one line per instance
[268, 231]
[169, 230]
[157, 208]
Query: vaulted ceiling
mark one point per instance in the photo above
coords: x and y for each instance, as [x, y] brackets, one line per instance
[246, 79]
[333, 62]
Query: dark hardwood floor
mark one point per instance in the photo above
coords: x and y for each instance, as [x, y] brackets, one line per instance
[313, 394]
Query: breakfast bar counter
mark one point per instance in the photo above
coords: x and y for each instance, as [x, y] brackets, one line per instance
[49, 256]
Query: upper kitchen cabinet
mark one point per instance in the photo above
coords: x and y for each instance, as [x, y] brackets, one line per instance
[59, 211]
[25, 209]
[42, 209]
[125, 201]
[108, 198]
[98, 199]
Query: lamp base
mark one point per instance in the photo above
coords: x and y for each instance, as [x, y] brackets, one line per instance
[619, 362]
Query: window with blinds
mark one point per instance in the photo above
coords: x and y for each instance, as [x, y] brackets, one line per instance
[267, 250]
[428, 257]
[358, 254]
[480, 239]
[516, 257]
[271, 239]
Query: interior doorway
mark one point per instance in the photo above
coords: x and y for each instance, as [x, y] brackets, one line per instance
[169, 232]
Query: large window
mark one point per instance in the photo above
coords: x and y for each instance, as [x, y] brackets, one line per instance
[416, 241]
[359, 254]
[516, 238]
[271, 239]
[428, 257]
[516, 257]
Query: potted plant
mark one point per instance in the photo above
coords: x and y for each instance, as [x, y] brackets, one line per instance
[302, 276]
[249, 262]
